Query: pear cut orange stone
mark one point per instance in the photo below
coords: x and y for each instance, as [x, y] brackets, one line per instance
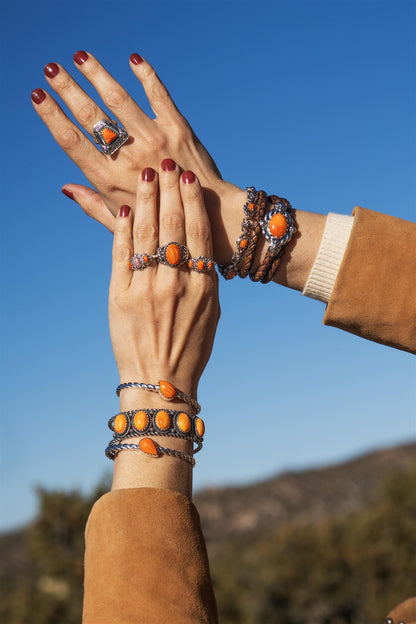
[108, 135]
[278, 225]
[173, 254]
[167, 390]
[148, 446]
[163, 420]
[184, 422]
[141, 420]
[120, 423]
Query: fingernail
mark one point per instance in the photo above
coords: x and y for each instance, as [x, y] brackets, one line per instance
[136, 59]
[124, 211]
[51, 70]
[168, 164]
[80, 57]
[68, 193]
[188, 177]
[38, 95]
[148, 174]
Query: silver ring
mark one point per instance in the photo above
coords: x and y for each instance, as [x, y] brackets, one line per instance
[172, 254]
[109, 136]
[139, 262]
[202, 264]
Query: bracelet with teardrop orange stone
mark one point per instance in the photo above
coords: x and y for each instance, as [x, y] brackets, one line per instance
[166, 389]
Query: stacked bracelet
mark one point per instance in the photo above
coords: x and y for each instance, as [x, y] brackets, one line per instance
[159, 422]
[277, 228]
[243, 256]
[165, 389]
[149, 448]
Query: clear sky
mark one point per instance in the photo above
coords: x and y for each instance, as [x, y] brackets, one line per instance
[312, 100]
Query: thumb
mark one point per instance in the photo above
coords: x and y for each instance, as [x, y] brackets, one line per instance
[92, 204]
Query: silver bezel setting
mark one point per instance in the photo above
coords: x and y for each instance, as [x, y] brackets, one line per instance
[109, 148]
[275, 243]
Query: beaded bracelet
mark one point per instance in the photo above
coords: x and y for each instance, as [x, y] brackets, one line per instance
[149, 448]
[158, 422]
[277, 227]
[165, 389]
[243, 256]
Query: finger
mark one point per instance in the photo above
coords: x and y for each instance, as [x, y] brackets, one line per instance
[122, 251]
[111, 92]
[156, 92]
[84, 109]
[92, 204]
[198, 231]
[69, 136]
[145, 228]
[171, 217]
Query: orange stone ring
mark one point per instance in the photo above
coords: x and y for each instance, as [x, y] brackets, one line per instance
[277, 226]
[109, 136]
[172, 254]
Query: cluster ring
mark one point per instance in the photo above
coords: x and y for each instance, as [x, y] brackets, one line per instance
[139, 262]
[202, 264]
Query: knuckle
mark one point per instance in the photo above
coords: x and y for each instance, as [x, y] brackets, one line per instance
[147, 71]
[87, 114]
[115, 98]
[156, 143]
[145, 232]
[117, 300]
[158, 91]
[200, 231]
[146, 195]
[173, 222]
[70, 139]
[121, 253]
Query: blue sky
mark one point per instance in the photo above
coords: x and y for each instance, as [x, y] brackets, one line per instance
[312, 100]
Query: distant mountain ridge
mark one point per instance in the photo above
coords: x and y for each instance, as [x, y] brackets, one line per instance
[308, 496]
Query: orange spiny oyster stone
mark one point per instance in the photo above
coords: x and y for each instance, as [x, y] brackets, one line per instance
[184, 422]
[200, 427]
[162, 420]
[210, 264]
[167, 390]
[278, 225]
[148, 446]
[108, 135]
[190, 264]
[120, 423]
[146, 258]
[243, 243]
[173, 254]
[141, 420]
[200, 265]
[250, 206]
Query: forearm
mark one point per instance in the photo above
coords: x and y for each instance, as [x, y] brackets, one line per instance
[134, 470]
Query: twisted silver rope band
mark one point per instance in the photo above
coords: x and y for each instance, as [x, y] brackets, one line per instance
[156, 388]
[113, 449]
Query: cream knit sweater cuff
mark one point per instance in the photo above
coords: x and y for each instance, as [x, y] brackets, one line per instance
[324, 272]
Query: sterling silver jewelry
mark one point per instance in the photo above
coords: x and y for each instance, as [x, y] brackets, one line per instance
[201, 264]
[109, 136]
[151, 449]
[166, 389]
[161, 422]
[172, 254]
[138, 262]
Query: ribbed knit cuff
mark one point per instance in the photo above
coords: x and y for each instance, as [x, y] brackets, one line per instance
[324, 272]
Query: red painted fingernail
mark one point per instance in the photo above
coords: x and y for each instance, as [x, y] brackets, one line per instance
[124, 211]
[168, 164]
[38, 95]
[136, 59]
[68, 193]
[80, 57]
[51, 70]
[148, 174]
[188, 177]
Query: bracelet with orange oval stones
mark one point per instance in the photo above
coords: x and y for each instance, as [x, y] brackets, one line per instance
[277, 227]
[160, 422]
[148, 447]
[243, 256]
[166, 389]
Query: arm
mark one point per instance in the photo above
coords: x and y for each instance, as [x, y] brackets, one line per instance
[145, 555]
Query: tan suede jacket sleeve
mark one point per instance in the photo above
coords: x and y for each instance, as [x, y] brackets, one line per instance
[145, 559]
